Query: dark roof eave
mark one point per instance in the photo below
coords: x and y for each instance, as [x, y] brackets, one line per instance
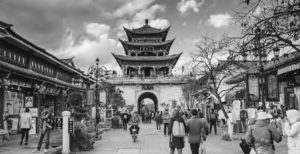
[133, 32]
[146, 58]
[36, 75]
[23, 42]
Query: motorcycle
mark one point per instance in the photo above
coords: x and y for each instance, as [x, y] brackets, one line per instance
[134, 133]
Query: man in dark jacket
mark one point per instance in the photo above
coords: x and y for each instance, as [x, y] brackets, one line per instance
[125, 118]
[243, 117]
[197, 129]
[213, 120]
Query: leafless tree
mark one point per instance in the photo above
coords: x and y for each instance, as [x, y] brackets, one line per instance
[212, 70]
[269, 25]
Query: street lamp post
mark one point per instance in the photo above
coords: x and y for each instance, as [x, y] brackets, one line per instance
[97, 72]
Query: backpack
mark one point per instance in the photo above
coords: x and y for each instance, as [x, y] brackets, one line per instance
[178, 129]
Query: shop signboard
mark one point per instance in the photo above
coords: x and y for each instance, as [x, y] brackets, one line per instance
[15, 123]
[253, 87]
[90, 97]
[109, 113]
[33, 111]
[28, 101]
[93, 112]
[102, 115]
[58, 122]
[13, 102]
[272, 87]
[33, 124]
[71, 127]
[102, 96]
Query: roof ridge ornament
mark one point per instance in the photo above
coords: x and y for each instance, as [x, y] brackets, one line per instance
[146, 21]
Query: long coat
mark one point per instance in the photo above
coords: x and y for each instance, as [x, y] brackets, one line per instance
[176, 142]
[293, 131]
[196, 128]
[261, 133]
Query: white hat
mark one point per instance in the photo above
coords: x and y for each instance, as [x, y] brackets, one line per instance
[263, 116]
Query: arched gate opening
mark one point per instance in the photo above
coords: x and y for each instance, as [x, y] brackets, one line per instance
[144, 98]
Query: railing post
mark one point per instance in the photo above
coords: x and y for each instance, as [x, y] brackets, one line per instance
[66, 135]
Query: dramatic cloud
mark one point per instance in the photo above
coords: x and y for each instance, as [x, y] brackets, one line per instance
[219, 20]
[95, 42]
[44, 21]
[131, 7]
[186, 5]
[138, 19]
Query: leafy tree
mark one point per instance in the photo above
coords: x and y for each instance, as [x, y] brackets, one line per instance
[75, 101]
[114, 96]
[116, 100]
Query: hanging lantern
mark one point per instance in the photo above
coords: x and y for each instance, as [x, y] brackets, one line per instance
[276, 52]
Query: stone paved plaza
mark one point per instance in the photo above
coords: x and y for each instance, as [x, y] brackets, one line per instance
[151, 141]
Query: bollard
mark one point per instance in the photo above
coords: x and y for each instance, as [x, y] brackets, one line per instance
[66, 135]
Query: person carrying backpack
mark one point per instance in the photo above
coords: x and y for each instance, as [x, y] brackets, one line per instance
[213, 120]
[177, 132]
[262, 136]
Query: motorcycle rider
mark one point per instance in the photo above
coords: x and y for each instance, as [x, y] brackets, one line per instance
[134, 121]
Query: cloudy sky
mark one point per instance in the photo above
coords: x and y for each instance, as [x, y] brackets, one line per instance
[91, 28]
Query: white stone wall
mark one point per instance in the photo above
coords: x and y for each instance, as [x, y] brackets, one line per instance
[128, 93]
[164, 93]
[171, 92]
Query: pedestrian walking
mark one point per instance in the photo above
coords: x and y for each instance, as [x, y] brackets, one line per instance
[46, 127]
[222, 117]
[166, 120]
[125, 118]
[25, 125]
[243, 118]
[213, 120]
[230, 124]
[197, 129]
[176, 142]
[158, 119]
[262, 136]
[292, 129]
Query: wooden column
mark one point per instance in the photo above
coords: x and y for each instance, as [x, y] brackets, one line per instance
[2, 92]
[170, 70]
[154, 70]
[29, 62]
[139, 70]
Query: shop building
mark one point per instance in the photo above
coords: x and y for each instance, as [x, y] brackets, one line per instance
[282, 81]
[31, 77]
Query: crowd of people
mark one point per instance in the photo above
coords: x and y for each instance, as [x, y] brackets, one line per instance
[261, 127]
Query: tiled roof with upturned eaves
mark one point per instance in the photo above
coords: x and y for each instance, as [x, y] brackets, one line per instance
[146, 29]
[147, 58]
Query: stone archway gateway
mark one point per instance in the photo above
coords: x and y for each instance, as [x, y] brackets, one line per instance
[149, 95]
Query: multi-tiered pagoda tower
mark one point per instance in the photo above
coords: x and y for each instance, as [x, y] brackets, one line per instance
[147, 69]
[147, 53]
